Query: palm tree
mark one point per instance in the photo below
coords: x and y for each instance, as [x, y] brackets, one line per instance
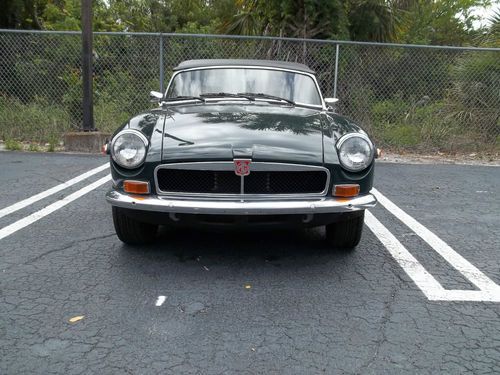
[245, 22]
[491, 37]
[373, 20]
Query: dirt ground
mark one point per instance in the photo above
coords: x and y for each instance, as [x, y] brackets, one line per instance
[441, 158]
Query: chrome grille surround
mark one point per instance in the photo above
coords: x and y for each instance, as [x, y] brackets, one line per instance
[229, 166]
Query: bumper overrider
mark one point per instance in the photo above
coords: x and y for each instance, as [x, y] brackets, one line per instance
[242, 206]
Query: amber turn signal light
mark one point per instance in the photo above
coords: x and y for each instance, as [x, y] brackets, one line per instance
[136, 187]
[346, 190]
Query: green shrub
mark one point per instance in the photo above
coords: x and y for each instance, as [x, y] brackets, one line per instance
[399, 135]
[36, 121]
[33, 147]
[117, 97]
[393, 111]
[109, 115]
[422, 125]
[474, 99]
[13, 145]
[435, 128]
[53, 141]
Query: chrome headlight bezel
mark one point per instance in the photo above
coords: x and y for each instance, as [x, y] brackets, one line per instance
[369, 159]
[143, 141]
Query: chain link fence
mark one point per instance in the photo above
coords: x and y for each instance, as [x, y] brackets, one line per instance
[407, 97]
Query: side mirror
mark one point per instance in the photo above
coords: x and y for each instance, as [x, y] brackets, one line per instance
[331, 101]
[155, 96]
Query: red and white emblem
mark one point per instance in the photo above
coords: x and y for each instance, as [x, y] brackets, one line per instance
[242, 167]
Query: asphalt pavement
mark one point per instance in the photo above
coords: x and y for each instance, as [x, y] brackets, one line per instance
[420, 294]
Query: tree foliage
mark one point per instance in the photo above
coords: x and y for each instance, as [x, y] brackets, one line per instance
[438, 22]
[373, 20]
[408, 21]
[491, 36]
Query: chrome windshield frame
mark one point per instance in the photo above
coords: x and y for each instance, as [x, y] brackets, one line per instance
[312, 76]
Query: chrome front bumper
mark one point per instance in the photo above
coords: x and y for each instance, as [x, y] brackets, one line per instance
[239, 207]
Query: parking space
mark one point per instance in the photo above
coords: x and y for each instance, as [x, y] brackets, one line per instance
[419, 295]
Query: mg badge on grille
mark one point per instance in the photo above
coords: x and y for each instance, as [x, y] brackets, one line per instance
[242, 167]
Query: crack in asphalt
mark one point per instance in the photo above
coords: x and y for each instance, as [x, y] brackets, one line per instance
[388, 311]
[69, 245]
[318, 312]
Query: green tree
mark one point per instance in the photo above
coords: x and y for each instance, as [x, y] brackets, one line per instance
[438, 22]
[247, 20]
[21, 14]
[301, 19]
[373, 20]
[491, 35]
[474, 99]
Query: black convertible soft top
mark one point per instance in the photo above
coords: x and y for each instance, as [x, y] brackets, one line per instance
[190, 64]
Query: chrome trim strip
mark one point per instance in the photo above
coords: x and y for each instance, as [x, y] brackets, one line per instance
[240, 206]
[257, 166]
[229, 166]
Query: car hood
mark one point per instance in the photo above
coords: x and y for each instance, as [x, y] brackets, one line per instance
[209, 132]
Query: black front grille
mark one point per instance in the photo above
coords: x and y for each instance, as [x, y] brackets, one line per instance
[285, 182]
[193, 181]
[227, 182]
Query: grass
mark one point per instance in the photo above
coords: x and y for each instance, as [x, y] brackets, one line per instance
[42, 123]
[400, 136]
[36, 122]
[430, 137]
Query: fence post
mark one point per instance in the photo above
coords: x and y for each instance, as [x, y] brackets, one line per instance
[337, 53]
[87, 73]
[162, 73]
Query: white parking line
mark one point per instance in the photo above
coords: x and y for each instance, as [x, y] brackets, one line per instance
[489, 291]
[424, 280]
[44, 194]
[24, 222]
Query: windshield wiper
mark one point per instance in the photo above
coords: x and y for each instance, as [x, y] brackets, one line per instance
[182, 97]
[267, 96]
[226, 94]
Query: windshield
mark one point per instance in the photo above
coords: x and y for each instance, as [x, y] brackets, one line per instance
[299, 88]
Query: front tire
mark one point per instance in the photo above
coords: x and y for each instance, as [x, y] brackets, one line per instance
[131, 231]
[346, 234]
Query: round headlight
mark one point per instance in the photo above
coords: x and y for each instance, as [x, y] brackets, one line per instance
[128, 148]
[355, 151]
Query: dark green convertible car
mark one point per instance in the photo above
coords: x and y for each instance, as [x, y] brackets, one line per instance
[241, 142]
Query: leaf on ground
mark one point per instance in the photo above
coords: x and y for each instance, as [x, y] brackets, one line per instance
[76, 318]
[248, 286]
